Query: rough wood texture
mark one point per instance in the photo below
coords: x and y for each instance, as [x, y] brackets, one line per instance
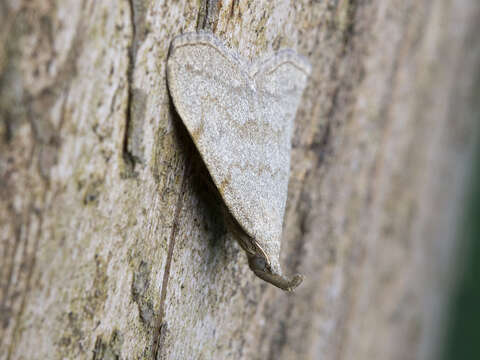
[110, 247]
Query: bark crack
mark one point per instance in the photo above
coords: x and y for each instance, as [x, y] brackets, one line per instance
[159, 324]
[127, 155]
[30, 267]
[208, 15]
[132, 148]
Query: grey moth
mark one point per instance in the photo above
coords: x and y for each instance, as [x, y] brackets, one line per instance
[240, 117]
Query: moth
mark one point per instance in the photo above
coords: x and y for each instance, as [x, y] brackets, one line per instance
[240, 117]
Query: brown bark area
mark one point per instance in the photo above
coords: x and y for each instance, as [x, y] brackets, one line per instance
[110, 246]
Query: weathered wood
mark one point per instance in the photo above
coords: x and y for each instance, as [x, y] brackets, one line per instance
[110, 245]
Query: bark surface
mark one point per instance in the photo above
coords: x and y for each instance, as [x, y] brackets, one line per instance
[110, 246]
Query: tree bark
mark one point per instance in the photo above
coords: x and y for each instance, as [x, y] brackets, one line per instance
[110, 247]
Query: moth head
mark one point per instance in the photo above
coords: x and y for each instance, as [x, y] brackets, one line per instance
[262, 269]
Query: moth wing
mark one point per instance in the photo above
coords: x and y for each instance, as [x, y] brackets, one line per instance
[236, 129]
[213, 96]
[282, 80]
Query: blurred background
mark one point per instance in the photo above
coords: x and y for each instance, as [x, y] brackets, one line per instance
[111, 248]
[462, 339]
